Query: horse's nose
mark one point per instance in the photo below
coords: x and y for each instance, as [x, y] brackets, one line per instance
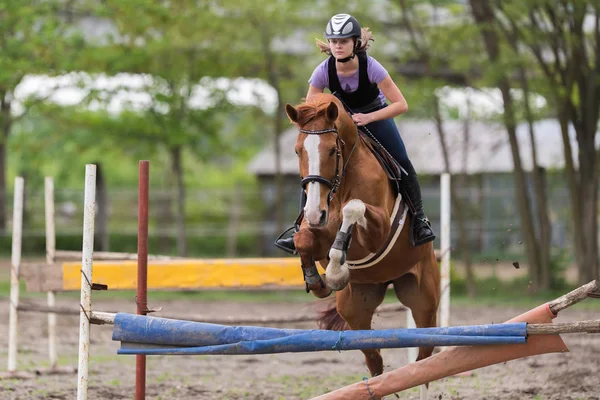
[323, 219]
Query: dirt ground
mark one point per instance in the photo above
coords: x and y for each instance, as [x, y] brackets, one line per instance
[574, 375]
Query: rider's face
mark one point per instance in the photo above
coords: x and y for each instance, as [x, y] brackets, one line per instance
[341, 48]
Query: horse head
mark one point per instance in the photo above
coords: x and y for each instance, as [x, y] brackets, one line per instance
[322, 140]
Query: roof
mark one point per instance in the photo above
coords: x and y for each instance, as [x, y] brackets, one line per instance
[487, 149]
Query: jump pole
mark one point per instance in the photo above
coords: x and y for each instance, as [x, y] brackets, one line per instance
[85, 314]
[142, 272]
[15, 261]
[50, 257]
[445, 250]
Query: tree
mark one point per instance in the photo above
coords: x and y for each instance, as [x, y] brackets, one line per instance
[36, 38]
[269, 36]
[430, 44]
[568, 55]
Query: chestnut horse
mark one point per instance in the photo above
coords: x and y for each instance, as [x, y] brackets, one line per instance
[347, 227]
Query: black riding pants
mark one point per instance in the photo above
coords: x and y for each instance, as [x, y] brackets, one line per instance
[386, 132]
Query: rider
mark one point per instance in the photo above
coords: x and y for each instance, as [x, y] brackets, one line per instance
[363, 85]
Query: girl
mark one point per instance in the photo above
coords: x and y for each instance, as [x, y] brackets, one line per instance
[364, 86]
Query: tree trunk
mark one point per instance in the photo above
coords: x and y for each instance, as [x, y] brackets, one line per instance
[279, 182]
[545, 230]
[180, 214]
[588, 196]
[164, 217]
[235, 206]
[537, 174]
[273, 75]
[462, 184]
[573, 184]
[457, 204]
[480, 211]
[102, 216]
[6, 123]
[484, 17]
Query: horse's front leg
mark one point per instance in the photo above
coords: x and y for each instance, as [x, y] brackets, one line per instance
[372, 228]
[308, 245]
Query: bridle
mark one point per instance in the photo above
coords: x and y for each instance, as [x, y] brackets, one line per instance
[333, 184]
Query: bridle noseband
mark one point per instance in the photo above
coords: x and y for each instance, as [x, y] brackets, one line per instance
[334, 184]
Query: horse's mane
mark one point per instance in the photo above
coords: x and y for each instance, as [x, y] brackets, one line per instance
[316, 106]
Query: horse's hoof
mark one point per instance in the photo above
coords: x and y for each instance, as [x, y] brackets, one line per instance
[340, 280]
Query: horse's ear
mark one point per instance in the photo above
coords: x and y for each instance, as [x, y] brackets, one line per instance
[332, 111]
[291, 112]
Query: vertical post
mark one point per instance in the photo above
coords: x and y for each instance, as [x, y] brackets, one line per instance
[413, 352]
[15, 262]
[50, 253]
[445, 247]
[89, 211]
[142, 283]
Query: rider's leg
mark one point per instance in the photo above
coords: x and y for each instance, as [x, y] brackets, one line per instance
[287, 244]
[386, 132]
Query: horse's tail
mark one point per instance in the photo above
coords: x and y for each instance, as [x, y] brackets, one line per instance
[331, 320]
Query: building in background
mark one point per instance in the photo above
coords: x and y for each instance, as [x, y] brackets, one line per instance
[483, 154]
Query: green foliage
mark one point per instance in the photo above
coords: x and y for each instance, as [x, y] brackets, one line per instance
[200, 246]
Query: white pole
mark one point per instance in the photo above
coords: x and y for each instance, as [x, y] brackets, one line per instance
[89, 212]
[15, 262]
[445, 248]
[413, 352]
[50, 254]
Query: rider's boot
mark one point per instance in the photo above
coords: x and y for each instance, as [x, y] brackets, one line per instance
[421, 231]
[287, 244]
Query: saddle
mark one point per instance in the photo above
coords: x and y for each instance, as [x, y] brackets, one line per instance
[391, 167]
[388, 163]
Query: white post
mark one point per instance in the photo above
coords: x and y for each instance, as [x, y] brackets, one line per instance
[15, 262]
[445, 248]
[89, 212]
[50, 254]
[413, 352]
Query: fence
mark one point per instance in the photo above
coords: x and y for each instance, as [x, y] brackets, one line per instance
[228, 222]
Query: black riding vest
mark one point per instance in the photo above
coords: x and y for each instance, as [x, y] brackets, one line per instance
[365, 98]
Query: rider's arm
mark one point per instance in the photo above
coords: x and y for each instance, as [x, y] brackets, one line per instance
[396, 107]
[312, 90]
[397, 104]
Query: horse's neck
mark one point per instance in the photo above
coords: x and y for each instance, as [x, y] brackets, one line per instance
[363, 170]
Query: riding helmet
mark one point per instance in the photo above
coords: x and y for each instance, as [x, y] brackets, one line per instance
[342, 26]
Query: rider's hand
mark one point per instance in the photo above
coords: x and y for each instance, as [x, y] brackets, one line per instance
[362, 119]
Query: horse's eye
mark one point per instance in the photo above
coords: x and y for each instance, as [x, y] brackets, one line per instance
[332, 151]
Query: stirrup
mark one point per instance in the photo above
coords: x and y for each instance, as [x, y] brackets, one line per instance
[426, 239]
[280, 237]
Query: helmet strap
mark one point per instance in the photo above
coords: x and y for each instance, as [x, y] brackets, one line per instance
[346, 59]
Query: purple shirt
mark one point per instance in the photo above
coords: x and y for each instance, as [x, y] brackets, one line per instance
[375, 71]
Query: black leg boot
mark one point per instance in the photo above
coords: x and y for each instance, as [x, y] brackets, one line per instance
[421, 231]
[287, 244]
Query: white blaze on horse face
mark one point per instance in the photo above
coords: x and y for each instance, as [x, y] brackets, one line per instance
[312, 211]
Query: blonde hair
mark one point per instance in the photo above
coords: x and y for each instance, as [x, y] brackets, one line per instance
[366, 36]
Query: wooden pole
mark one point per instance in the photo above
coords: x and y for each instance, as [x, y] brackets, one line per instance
[142, 259]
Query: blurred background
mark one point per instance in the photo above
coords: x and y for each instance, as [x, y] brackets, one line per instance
[503, 95]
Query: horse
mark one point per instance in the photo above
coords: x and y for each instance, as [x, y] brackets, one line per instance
[347, 227]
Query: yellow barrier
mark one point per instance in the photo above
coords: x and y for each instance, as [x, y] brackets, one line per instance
[191, 273]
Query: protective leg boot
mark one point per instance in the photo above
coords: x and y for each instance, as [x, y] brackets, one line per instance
[421, 231]
[287, 243]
